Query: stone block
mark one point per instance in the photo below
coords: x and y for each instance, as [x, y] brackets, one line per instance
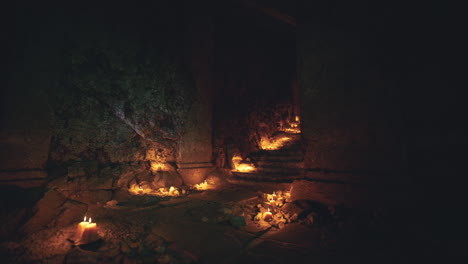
[46, 210]
[71, 212]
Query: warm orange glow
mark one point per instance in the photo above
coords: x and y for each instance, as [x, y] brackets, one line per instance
[278, 198]
[292, 127]
[267, 216]
[242, 166]
[292, 130]
[86, 232]
[273, 144]
[201, 186]
[139, 190]
[158, 166]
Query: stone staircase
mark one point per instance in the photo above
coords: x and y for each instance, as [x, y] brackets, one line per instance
[282, 165]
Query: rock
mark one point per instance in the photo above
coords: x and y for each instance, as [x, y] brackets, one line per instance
[237, 221]
[103, 181]
[165, 259]
[46, 209]
[71, 212]
[77, 255]
[112, 203]
[166, 179]
[75, 171]
[128, 172]
[111, 252]
[293, 217]
[310, 218]
[91, 196]
[121, 195]
[292, 208]
[217, 178]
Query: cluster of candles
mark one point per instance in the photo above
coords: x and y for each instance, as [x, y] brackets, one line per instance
[274, 201]
[201, 186]
[140, 190]
[171, 191]
[86, 232]
[293, 126]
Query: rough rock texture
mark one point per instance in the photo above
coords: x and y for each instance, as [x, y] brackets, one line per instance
[46, 210]
[86, 92]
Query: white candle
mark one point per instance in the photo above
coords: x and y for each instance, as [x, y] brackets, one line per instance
[86, 232]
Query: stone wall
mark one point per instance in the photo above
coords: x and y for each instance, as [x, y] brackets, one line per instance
[352, 105]
[95, 92]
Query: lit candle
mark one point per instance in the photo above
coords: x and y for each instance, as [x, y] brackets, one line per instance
[267, 216]
[87, 232]
[81, 228]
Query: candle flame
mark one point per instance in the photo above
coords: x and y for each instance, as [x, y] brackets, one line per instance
[84, 219]
[89, 220]
[268, 209]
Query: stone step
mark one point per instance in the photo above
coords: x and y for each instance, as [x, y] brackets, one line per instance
[279, 159]
[268, 174]
[267, 177]
[281, 170]
[279, 152]
[280, 163]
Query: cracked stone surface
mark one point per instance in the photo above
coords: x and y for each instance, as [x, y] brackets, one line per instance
[204, 227]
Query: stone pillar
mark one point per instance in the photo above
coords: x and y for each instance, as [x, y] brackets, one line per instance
[194, 159]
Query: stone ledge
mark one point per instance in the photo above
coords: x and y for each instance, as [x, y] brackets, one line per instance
[24, 179]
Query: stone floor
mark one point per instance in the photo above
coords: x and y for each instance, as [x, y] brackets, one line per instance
[217, 226]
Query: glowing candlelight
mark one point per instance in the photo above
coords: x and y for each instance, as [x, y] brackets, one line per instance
[86, 232]
[201, 186]
[267, 216]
